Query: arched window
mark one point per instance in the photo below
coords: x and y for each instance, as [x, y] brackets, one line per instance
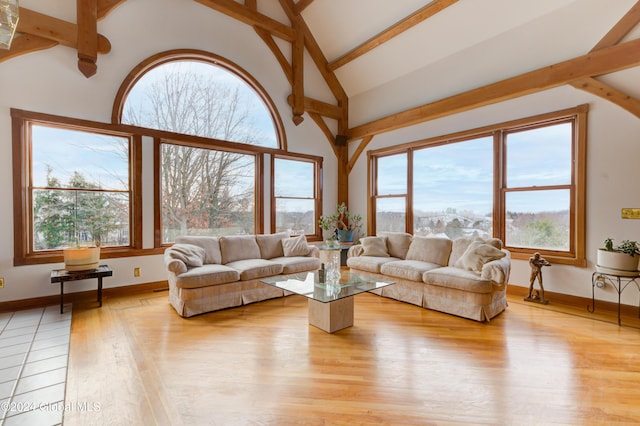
[199, 94]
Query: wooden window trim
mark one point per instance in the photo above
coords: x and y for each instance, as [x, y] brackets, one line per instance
[577, 253]
[317, 162]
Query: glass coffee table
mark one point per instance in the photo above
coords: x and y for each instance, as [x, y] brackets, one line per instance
[330, 302]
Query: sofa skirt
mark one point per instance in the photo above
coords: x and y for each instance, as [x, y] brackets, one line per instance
[194, 301]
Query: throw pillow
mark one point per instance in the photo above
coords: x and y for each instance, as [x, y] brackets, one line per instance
[374, 246]
[270, 245]
[397, 243]
[296, 246]
[190, 254]
[477, 255]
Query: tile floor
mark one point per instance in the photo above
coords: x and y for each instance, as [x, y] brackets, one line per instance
[34, 350]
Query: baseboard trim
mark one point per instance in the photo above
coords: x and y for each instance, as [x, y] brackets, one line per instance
[576, 301]
[40, 302]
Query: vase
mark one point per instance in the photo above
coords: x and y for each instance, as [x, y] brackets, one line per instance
[81, 258]
[345, 236]
[617, 263]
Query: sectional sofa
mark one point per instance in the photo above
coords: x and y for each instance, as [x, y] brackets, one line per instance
[465, 277]
[210, 273]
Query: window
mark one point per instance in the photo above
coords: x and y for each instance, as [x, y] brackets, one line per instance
[76, 186]
[453, 189]
[296, 203]
[206, 192]
[522, 181]
[391, 193]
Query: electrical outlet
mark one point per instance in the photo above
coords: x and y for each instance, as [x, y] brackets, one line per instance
[1, 282]
[136, 272]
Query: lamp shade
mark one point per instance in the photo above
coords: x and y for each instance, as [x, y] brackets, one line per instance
[8, 22]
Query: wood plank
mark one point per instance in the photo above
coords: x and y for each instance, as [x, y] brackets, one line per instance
[325, 129]
[611, 94]
[105, 7]
[58, 30]
[302, 5]
[621, 29]
[25, 43]
[363, 144]
[297, 65]
[398, 364]
[319, 107]
[596, 63]
[87, 13]
[396, 29]
[277, 52]
[251, 17]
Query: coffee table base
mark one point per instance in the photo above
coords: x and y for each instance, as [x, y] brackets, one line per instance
[331, 316]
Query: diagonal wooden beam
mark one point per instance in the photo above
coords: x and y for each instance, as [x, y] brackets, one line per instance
[62, 32]
[26, 43]
[325, 129]
[398, 28]
[598, 88]
[363, 144]
[277, 52]
[596, 63]
[87, 12]
[251, 17]
[621, 29]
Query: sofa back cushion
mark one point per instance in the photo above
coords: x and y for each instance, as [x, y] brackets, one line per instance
[431, 250]
[271, 245]
[239, 247]
[211, 246]
[397, 243]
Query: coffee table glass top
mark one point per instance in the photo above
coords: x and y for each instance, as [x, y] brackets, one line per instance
[306, 284]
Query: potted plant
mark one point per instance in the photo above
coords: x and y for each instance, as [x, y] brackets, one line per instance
[343, 224]
[618, 260]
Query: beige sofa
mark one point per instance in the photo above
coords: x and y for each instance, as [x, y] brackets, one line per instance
[465, 277]
[210, 273]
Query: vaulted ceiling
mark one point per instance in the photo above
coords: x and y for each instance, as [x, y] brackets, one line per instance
[486, 51]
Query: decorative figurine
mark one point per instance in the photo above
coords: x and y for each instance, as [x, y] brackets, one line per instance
[536, 262]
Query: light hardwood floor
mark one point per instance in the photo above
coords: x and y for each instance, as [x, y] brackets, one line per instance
[138, 363]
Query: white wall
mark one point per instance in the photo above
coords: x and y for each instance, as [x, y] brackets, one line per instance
[49, 81]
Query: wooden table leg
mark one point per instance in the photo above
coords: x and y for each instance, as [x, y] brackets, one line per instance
[100, 291]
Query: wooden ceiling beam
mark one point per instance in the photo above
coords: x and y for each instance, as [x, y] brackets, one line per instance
[398, 28]
[87, 12]
[596, 63]
[603, 90]
[318, 107]
[325, 129]
[354, 158]
[277, 52]
[26, 43]
[297, 66]
[62, 32]
[252, 17]
[621, 29]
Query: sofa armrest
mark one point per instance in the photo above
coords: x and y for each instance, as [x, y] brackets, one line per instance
[176, 266]
[314, 251]
[355, 251]
[498, 270]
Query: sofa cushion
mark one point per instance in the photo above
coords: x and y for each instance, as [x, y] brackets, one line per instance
[430, 250]
[460, 245]
[369, 263]
[397, 243]
[407, 269]
[477, 254]
[296, 246]
[271, 245]
[190, 254]
[239, 247]
[457, 278]
[207, 275]
[251, 269]
[374, 246]
[295, 264]
[211, 246]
